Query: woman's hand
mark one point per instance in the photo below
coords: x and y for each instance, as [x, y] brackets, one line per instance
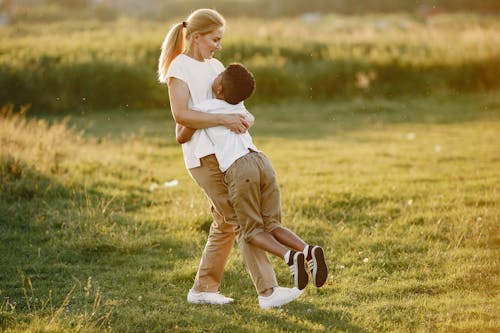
[237, 123]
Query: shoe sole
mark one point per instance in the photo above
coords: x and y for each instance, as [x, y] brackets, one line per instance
[202, 300]
[208, 302]
[320, 273]
[301, 277]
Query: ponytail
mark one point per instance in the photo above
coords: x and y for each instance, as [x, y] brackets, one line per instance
[172, 46]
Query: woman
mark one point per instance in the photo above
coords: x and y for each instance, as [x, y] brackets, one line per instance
[187, 66]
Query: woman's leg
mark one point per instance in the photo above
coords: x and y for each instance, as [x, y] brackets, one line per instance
[259, 266]
[215, 254]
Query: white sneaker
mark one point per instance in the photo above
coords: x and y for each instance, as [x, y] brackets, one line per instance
[279, 297]
[199, 297]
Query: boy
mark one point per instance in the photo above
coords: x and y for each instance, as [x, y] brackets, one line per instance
[252, 185]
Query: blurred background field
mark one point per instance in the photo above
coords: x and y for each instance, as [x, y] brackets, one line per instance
[82, 62]
[381, 118]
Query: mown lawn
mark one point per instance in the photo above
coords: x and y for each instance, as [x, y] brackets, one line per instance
[403, 194]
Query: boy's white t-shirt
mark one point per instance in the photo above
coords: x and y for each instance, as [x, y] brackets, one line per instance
[229, 146]
[198, 75]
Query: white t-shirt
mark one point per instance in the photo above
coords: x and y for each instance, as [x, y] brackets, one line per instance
[229, 146]
[198, 75]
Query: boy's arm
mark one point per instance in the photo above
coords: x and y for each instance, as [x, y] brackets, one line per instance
[183, 134]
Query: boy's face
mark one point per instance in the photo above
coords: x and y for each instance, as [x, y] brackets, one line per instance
[217, 86]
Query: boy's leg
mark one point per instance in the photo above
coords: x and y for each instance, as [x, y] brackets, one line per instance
[245, 180]
[271, 201]
[272, 215]
[271, 208]
[210, 179]
[289, 238]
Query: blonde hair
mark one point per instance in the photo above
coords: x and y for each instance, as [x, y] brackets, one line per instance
[203, 21]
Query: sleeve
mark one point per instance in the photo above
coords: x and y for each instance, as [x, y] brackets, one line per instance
[250, 116]
[176, 70]
[218, 65]
[197, 107]
[202, 106]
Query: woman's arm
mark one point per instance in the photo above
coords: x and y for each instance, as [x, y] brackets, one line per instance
[179, 96]
[183, 134]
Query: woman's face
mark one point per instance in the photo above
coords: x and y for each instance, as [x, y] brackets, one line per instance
[209, 43]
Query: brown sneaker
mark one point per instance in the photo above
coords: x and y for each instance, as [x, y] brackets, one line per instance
[296, 263]
[317, 265]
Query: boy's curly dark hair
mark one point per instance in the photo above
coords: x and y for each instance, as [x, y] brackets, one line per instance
[237, 83]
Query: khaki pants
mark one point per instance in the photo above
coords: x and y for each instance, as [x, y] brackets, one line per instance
[254, 194]
[222, 234]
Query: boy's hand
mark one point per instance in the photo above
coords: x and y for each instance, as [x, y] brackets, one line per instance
[183, 134]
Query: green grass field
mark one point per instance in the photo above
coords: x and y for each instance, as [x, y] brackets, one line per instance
[402, 193]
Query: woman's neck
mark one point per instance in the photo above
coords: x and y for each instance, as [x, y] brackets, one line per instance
[195, 54]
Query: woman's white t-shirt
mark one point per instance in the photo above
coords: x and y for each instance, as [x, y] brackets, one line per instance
[198, 75]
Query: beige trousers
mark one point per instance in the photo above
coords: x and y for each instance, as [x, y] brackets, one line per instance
[222, 235]
[255, 195]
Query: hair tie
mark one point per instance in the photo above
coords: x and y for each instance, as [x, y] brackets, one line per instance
[184, 24]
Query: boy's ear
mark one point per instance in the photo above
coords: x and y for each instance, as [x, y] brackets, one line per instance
[219, 89]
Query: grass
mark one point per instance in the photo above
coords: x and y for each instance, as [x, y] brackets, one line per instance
[403, 194]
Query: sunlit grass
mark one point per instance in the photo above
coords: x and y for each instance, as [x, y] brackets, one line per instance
[402, 194]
